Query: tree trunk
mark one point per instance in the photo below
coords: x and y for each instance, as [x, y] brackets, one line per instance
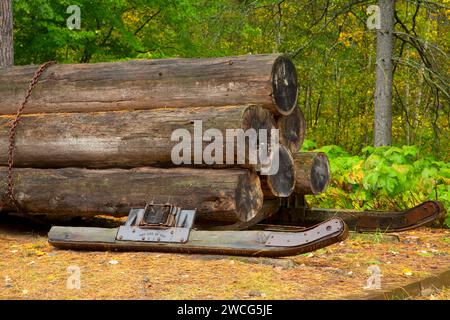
[312, 172]
[219, 195]
[6, 35]
[121, 139]
[281, 184]
[384, 75]
[269, 81]
[292, 130]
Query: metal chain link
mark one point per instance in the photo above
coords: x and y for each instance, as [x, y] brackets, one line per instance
[9, 195]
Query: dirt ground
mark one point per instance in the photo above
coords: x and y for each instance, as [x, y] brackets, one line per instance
[32, 269]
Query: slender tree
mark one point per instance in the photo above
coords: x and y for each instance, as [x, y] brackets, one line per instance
[384, 75]
[6, 34]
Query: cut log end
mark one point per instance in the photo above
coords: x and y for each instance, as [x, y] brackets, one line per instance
[282, 183]
[249, 197]
[292, 130]
[312, 172]
[320, 173]
[284, 85]
[257, 118]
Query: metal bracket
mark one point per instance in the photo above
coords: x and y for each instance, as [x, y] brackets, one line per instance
[157, 223]
[178, 235]
[293, 239]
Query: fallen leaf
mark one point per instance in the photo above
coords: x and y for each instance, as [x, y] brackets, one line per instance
[407, 272]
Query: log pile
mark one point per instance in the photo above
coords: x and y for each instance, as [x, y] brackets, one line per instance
[98, 139]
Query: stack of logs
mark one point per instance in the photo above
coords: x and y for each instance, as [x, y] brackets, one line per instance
[95, 139]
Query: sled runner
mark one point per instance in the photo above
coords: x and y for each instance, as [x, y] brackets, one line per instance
[167, 228]
[296, 212]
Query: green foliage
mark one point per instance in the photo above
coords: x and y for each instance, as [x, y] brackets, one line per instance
[308, 145]
[110, 30]
[384, 178]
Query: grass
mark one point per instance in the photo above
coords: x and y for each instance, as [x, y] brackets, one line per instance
[32, 269]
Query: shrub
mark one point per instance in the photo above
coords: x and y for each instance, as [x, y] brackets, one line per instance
[383, 178]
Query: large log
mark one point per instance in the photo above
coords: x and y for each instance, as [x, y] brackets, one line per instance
[312, 172]
[266, 80]
[219, 195]
[292, 130]
[282, 183]
[119, 139]
[270, 208]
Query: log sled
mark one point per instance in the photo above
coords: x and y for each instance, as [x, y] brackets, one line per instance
[98, 139]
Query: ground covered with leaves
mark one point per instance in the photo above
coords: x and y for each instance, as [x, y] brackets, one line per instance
[32, 269]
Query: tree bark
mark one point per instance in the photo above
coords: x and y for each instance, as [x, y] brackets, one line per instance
[269, 81]
[6, 35]
[312, 172]
[270, 208]
[281, 184]
[121, 139]
[292, 130]
[384, 75]
[219, 195]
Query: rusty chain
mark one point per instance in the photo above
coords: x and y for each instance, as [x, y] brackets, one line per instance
[9, 195]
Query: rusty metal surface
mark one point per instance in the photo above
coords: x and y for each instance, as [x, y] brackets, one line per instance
[160, 223]
[362, 221]
[161, 216]
[9, 195]
[293, 239]
[400, 221]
